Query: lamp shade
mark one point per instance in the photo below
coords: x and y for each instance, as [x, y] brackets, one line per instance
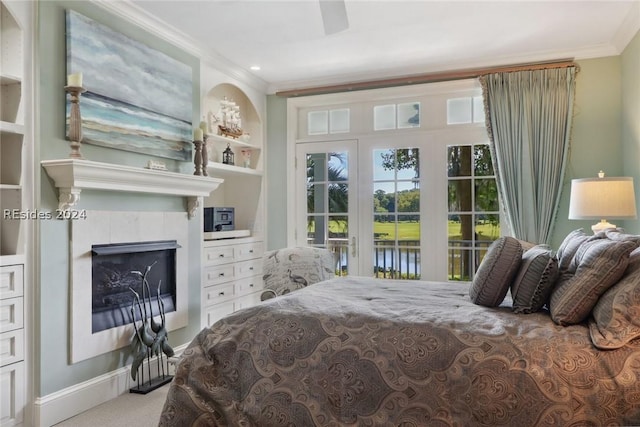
[600, 198]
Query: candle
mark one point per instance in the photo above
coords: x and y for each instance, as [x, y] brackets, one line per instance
[203, 126]
[74, 80]
[197, 134]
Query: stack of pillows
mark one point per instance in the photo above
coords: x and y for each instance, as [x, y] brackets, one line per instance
[592, 278]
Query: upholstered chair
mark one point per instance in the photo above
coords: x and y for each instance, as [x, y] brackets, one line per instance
[288, 269]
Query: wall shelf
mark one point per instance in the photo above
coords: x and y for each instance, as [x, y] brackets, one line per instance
[8, 127]
[222, 168]
[232, 141]
[71, 176]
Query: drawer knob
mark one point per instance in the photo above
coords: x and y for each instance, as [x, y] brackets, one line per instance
[250, 268]
[220, 274]
[221, 256]
[221, 294]
[251, 285]
[250, 251]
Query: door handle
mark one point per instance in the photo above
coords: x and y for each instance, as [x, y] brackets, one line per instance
[353, 246]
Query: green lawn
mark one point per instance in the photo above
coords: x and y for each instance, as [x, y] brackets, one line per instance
[411, 230]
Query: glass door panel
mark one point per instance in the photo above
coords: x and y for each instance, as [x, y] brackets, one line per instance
[330, 209]
[396, 213]
[474, 219]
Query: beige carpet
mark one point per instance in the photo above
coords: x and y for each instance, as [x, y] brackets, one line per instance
[130, 409]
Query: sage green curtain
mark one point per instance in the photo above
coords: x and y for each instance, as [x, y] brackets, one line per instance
[529, 116]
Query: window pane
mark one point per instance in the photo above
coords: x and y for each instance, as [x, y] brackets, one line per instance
[408, 197]
[317, 123]
[339, 120]
[408, 163]
[316, 198]
[458, 111]
[383, 196]
[338, 198]
[487, 229]
[459, 195]
[409, 115]
[486, 195]
[316, 166]
[316, 230]
[338, 227]
[459, 160]
[408, 228]
[338, 167]
[384, 117]
[384, 163]
[482, 165]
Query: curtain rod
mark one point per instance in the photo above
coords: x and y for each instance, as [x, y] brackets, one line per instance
[424, 78]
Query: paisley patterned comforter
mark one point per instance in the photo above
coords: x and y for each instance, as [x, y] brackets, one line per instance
[367, 352]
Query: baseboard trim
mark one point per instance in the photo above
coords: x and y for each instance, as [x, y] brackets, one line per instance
[66, 403]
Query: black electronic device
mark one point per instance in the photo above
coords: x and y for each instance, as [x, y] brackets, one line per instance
[219, 219]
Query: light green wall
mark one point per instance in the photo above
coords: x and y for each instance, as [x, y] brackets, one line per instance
[596, 142]
[52, 320]
[631, 119]
[276, 153]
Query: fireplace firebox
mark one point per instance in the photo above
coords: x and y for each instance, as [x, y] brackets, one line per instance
[117, 273]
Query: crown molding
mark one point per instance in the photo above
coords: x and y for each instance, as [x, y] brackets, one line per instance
[128, 11]
[628, 29]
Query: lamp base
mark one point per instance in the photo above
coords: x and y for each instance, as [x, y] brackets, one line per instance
[601, 226]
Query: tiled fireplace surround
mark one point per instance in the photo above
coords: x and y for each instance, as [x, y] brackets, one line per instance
[110, 227]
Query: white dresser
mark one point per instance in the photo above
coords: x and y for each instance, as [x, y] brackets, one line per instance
[12, 393]
[231, 277]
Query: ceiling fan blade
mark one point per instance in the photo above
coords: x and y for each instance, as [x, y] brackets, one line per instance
[334, 16]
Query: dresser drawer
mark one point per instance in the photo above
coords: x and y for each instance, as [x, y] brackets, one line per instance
[218, 255]
[218, 294]
[248, 251]
[221, 274]
[211, 315]
[248, 285]
[11, 314]
[11, 281]
[249, 268]
[11, 347]
[248, 300]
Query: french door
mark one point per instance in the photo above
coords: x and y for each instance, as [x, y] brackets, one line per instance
[326, 200]
[410, 207]
[367, 201]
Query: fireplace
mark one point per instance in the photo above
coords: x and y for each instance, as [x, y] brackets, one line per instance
[122, 271]
[121, 242]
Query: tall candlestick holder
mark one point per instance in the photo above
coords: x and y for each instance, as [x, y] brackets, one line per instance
[205, 156]
[75, 121]
[197, 159]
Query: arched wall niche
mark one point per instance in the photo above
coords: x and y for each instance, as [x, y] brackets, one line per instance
[251, 121]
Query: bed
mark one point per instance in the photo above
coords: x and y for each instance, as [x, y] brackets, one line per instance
[357, 351]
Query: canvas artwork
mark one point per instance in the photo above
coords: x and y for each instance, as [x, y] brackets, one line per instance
[137, 99]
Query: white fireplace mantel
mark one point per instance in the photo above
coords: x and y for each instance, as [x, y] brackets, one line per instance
[71, 176]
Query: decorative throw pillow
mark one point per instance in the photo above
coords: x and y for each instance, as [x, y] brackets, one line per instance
[600, 264]
[535, 279]
[616, 317]
[286, 270]
[619, 235]
[497, 269]
[568, 249]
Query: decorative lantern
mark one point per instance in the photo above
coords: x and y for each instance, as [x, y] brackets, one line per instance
[227, 156]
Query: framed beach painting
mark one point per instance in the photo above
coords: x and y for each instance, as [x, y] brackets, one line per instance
[137, 98]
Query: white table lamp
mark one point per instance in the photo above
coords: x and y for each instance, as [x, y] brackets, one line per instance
[599, 198]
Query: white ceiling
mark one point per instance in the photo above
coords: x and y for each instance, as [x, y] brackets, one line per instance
[391, 38]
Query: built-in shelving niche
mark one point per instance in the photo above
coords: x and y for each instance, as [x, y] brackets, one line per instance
[243, 186]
